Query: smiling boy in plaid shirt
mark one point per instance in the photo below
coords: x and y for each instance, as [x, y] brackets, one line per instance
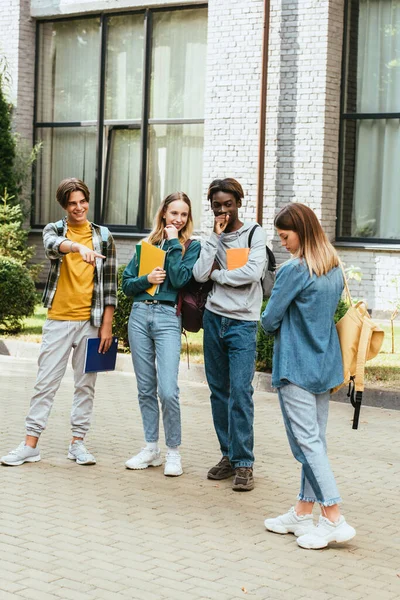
[81, 295]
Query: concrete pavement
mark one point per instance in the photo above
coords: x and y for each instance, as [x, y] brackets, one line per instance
[103, 532]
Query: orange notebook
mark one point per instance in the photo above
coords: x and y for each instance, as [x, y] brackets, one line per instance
[150, 258]
[236, 257]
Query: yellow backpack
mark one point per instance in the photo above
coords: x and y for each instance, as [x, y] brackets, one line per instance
[360, 340]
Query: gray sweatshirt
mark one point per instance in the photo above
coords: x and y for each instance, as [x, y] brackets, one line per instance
[236, 294]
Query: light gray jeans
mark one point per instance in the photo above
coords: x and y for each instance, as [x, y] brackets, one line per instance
[305, 416]
[59, 338]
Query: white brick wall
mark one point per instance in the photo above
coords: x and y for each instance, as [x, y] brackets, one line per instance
[232, 97]
[378, 268]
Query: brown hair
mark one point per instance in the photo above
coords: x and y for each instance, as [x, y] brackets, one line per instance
[314, 247]
[71, 185]
[228, 185]
[157, 234]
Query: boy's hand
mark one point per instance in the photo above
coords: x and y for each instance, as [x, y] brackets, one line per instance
[88, 255]
[220, 223]
[105, 333]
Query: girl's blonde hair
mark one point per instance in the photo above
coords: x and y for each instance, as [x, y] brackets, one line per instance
[157, 233]
[314, 247]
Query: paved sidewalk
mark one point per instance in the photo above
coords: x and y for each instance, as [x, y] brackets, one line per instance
[103, 532]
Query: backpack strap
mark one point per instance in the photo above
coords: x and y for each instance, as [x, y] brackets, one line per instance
[251, 234]
[104, 231]
[60, 227]
[271, 261]
[362, 352]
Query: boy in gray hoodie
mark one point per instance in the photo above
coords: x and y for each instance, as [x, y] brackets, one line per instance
[230, 330]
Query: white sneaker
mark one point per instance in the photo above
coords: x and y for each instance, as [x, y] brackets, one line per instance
[79, 453]
[327, 532]
[290, 522]
[173, 464]
[145, 458]
[21, 455]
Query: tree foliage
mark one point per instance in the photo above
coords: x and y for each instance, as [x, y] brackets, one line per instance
[7, 142]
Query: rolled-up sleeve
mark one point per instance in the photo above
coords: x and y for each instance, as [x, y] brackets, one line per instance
[52, 242]
[180, 266]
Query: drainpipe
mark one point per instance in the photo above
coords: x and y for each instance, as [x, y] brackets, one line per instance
[263, 112]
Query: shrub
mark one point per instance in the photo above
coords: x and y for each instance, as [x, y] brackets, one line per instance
[265, 346]
[341, 310]
[121, 315]
[17, 294]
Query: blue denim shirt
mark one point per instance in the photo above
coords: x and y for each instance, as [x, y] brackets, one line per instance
[300, 314]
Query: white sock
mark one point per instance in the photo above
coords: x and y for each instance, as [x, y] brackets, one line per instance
[152, 446]
[174, 450]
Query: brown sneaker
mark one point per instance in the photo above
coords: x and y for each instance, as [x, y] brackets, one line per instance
[243, 481]
[222, 470]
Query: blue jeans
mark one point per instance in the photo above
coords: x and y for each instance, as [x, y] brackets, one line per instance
[229, 357]
[154, 333]
[305, 416]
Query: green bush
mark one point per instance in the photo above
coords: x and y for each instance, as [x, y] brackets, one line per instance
[265, 346]
[341, 310]
[121, 315]
[13, 236]
[17, 294]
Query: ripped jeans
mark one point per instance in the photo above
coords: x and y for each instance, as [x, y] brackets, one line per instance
[305, 416]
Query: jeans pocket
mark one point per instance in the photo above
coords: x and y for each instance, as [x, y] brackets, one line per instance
[168, 310]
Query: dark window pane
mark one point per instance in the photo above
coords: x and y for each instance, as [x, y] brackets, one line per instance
[66, 152]
[178, 64]
[370, 207]
[69, 59]
[373, 65]
[124, 70]
[123, 166]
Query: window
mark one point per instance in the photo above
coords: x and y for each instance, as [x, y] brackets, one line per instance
[369, 177]
[120, 104]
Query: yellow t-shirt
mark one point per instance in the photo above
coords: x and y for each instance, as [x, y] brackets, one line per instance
[73, 298]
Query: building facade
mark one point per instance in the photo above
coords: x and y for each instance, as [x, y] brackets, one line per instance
[141, 98]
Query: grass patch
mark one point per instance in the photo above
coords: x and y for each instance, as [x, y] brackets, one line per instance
[382, 371]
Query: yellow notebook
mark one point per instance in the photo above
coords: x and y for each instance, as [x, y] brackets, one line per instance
[236, 257]
[150, 258]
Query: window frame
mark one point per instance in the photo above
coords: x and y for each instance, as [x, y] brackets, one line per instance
[102, 175]
[353, 116]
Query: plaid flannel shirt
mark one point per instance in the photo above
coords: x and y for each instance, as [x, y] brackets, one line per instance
[105, 273]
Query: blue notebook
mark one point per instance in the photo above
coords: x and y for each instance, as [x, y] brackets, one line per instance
[95, 361]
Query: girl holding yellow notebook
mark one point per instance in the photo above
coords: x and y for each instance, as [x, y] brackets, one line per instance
[154, 328]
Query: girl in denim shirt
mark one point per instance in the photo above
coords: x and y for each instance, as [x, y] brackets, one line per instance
[154, 331]
[307, 364]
